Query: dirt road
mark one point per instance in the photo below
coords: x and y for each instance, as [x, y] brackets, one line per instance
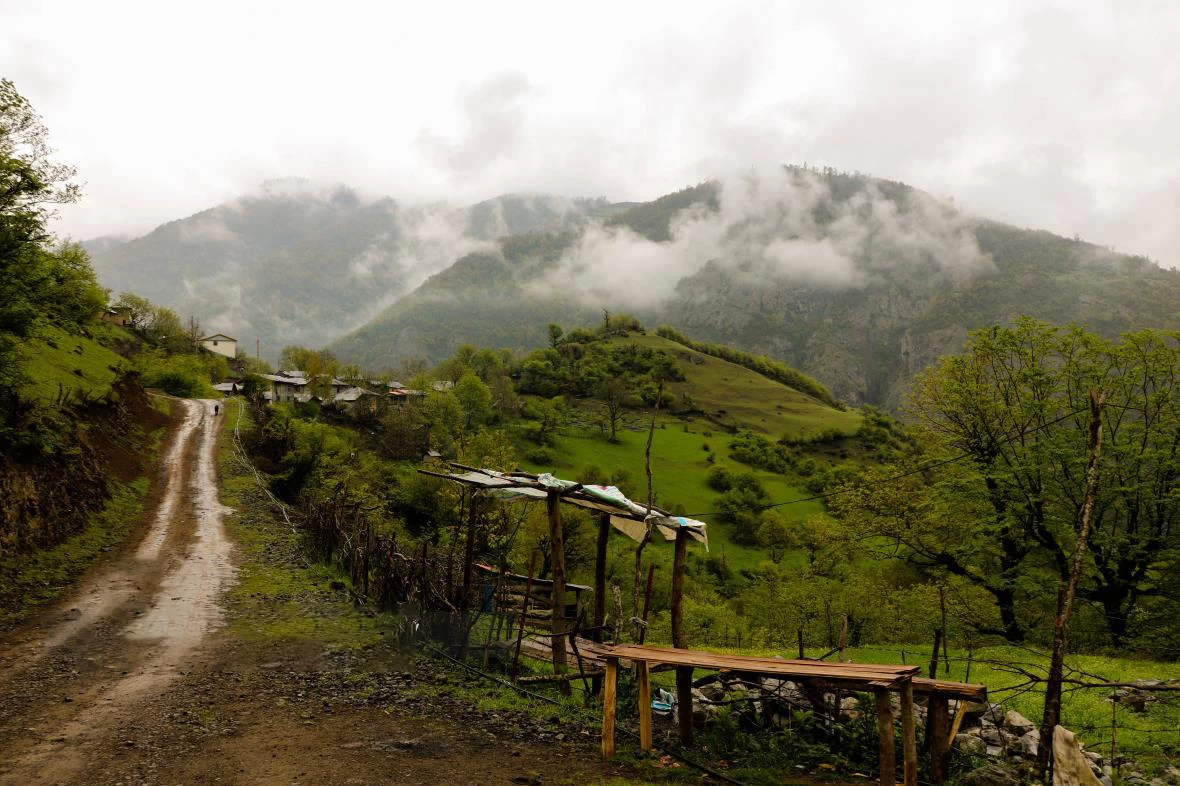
[135, 679]
[129, 631]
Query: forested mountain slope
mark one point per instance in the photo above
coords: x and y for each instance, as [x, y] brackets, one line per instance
[296, 263]
[858, 281]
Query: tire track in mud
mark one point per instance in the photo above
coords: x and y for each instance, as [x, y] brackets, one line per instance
[115, 655]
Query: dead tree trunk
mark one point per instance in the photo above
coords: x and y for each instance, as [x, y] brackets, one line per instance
[1052, 713]
[680, 641]
[557, 557]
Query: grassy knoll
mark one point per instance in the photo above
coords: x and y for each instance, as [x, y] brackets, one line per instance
[282, 594]
[737, 396]
[61, 363]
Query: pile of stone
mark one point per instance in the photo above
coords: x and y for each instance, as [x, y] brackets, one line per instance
[1010, 740]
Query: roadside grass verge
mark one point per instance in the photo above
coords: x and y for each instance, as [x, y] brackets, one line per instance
[282, 594]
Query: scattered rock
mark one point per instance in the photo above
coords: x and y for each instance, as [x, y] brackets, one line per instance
[1029, 744]
[970, 744]
[992, 775]
[1017, 723]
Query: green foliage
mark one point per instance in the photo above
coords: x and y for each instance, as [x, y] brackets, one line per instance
[738, 508]
[1004, 523]
[654, 219]
[186, 376]
[757, 451]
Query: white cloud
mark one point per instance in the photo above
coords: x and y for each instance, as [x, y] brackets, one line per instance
[1040, 113]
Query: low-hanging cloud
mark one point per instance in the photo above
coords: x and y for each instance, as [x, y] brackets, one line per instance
[779, 225]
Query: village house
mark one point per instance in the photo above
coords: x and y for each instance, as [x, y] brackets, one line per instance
[116, 315]
[286, 388]
[220, 344]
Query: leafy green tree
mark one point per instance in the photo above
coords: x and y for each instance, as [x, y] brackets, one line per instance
[739, 508]
[1005, 519]
[614, 394]
[476, 400]
[31, 185]
[774, 535]
[139, 309]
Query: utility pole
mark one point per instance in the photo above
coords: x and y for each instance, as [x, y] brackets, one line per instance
[257, 349]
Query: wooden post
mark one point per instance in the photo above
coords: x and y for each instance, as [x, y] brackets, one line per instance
[888, 758]
[468, 567]
[909, 740]
[937, 727]
[680, 641]
[524, 613]
[600, 576]
[610, 684]
[651, 572]
[557, 559]
[644, 674]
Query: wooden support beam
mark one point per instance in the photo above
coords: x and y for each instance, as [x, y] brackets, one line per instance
[610, 684]
[909, 739]
[644, 676]
[557, 561]
[468, 565]
[600, 576]
[680, 641]
[937, 726]
[684, 704]
[887, 755]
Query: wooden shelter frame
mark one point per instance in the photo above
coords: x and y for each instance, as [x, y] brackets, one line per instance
[623, 515]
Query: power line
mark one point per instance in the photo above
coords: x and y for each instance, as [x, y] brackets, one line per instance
[915, 471]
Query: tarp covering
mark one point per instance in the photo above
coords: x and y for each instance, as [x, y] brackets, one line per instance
[626, 515]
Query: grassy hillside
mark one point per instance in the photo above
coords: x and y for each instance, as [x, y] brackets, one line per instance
[63, 364]
[687, 445]
[732, 395]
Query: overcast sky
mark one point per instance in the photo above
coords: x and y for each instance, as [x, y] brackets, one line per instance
[1057, 115]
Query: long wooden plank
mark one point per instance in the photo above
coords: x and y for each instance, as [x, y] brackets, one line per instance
[952, 690]
[771, 666]
[610, 684]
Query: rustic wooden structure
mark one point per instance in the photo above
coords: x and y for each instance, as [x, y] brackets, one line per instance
[879, 679]
[615, 511]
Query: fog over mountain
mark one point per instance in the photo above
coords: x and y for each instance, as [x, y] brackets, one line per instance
[301, 263]
[856, 280]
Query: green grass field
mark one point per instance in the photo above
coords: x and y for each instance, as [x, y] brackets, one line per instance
[679, 469]
[58, 363]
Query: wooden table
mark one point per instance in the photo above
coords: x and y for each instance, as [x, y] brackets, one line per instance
[879, 678]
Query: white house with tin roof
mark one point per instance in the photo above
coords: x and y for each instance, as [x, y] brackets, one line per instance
[221, 344]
